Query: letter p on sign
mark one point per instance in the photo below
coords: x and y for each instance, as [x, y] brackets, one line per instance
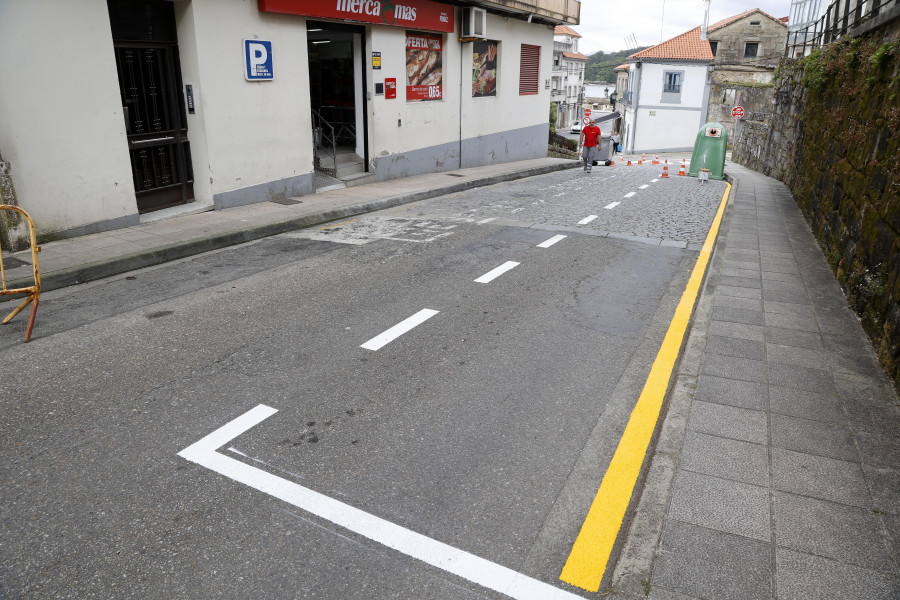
[258, 60]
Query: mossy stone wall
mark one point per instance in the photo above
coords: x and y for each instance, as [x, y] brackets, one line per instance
[835, 142]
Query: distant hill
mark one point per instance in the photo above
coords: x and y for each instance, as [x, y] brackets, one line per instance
[600, 65]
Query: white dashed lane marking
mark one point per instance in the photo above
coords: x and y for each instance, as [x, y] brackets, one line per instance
[495, 273]
[612, 205]
[383, 339]
[551, 241]
[630, 194]
[587, 220]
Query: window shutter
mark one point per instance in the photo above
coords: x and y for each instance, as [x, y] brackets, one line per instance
[529, 70]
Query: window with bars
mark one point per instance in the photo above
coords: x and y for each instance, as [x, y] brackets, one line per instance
[529, 69]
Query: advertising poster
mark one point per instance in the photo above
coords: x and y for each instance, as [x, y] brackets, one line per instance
[484, 69]
[424, 58]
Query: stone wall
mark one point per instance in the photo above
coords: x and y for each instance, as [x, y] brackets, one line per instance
[755, 98]
[834, 142]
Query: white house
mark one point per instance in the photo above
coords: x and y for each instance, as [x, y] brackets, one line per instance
[667, 95]
[113, 109]
[567, 83]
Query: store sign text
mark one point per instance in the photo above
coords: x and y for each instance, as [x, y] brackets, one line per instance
[425, 15]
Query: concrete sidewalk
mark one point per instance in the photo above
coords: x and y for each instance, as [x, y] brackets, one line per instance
[85, 258]
[777, 471]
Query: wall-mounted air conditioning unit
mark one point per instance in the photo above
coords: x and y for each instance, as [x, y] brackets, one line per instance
[474, 24]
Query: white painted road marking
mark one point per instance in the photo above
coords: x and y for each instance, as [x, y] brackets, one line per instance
[630, 194]
[488, 220]
[612, 205]
[399, 329]
[495, 273]
[644, 187]
[551, 241]
[452, 560]
[587, 220]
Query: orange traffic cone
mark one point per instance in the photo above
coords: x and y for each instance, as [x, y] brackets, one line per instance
[665, 173]
[629, 162]
[655, 159]
[681, 172]
[643, 159]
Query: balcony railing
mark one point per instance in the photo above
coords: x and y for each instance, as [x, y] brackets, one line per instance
[840, 19]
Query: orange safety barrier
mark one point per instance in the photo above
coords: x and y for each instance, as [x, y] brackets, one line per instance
[32, 292]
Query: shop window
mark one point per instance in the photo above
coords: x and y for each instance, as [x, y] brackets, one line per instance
[751, 49]
[424, 66]
[529, 69]
[484, 68]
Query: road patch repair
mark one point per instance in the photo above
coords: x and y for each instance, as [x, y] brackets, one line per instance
[593, 547]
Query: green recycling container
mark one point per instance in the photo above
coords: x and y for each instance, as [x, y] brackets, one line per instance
[709, 151]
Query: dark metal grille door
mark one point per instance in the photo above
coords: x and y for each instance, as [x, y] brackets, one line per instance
[155, 124]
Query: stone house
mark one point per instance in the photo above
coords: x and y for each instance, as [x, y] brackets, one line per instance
[747, 49]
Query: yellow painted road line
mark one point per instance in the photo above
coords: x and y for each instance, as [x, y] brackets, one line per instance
[338, 224]
[590, 553]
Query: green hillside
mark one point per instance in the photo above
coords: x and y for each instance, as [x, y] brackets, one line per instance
[600, 65]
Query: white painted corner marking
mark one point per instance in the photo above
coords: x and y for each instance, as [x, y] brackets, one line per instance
[480, 571]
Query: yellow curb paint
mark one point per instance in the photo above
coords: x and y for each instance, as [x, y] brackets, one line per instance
[590, 553]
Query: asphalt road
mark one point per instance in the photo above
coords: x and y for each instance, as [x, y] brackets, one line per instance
[368, 466]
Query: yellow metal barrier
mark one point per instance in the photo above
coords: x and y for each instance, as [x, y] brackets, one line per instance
[33, 292]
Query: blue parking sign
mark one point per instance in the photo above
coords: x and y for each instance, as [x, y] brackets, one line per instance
[258, 60]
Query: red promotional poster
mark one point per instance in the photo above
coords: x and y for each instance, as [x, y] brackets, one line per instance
[390, 87]
[420, 14]
[424, 69]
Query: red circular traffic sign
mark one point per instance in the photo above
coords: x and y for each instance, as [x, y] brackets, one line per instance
[587, 112]
[737, 112]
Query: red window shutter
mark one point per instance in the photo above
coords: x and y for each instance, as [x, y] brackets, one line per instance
[529, 70]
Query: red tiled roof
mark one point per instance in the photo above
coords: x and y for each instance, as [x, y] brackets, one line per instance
[687, 46]
[575, 55]
[621, 67]
[730, 20]
[565, 30]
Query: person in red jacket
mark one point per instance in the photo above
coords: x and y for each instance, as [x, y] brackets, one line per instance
[590, 144]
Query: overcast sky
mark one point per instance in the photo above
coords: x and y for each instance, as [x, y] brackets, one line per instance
[606, 24]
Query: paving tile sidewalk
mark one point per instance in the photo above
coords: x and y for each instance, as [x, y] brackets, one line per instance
[84, 258]
[777, 471]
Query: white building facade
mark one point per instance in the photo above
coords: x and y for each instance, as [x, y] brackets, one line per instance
[668, 94]
[567, 84]
[122, 107]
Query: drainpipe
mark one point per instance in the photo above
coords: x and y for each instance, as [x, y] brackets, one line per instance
[636, 104]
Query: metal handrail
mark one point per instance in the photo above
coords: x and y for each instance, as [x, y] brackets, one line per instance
[33, 292]
[319, 125]
[839, 19]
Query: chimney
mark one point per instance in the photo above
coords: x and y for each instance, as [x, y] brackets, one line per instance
[705, 19]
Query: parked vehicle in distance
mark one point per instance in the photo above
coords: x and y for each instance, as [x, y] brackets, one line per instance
[576, 127]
